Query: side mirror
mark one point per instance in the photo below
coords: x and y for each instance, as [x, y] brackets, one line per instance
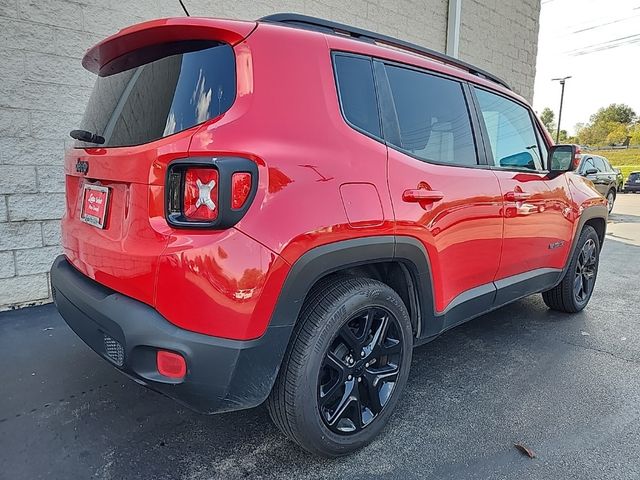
[564, 158]
[590, 171]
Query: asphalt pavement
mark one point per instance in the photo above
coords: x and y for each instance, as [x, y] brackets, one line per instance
[565, 386]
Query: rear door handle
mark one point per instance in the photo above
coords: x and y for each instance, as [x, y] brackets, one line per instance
[516, 196]
[421, 195]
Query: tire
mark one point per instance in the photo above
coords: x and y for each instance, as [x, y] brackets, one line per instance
[611, 198]
[320, 367]
[564, 297]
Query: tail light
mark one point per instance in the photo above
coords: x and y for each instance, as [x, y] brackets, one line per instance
[210, 192]
[577, 157]
[201, 194]
[240, 189]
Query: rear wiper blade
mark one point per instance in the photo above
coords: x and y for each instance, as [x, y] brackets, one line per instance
[85, 136]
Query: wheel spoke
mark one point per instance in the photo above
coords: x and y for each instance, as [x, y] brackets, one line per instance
[349, 338]
[387, 373]
[378, 336]
[391, 346]
[334, 362]
[347, 398]
[371, 386]
[577, 285]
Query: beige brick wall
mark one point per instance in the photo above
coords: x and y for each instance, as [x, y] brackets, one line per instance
[43, 90]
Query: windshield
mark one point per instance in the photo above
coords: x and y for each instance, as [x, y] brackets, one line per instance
[160, 91]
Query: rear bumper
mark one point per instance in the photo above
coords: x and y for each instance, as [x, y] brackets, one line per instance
[222, 374]
[631, 187]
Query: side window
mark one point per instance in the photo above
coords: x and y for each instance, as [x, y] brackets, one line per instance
[588, 165]
[357, 92]
[511, 133]
[600, 164]
[432, 117]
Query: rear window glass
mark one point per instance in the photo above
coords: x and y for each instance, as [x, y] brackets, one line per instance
[357, 93]
[432, 116]
[161, 91]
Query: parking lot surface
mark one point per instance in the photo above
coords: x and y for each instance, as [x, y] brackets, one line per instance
[567, 387]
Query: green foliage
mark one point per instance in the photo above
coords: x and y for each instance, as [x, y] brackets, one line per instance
[634, 133]
[548, 119]
[619, 113]
[610, 126]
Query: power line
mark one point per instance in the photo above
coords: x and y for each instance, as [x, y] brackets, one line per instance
[617, 20]
[606, 45]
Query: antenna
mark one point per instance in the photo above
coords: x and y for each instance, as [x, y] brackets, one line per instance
[184, 8]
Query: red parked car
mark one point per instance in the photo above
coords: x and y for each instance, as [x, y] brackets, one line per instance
[281, 210]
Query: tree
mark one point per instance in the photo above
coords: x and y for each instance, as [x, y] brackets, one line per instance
[634, 133]
[547, 117]
[563, 137]
[616, 112]
[617, 135]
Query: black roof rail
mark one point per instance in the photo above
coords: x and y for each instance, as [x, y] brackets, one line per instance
[327, 26]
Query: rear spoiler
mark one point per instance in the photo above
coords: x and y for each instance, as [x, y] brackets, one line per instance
[164, 30]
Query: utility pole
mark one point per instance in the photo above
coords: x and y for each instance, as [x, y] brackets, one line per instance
[561, 80]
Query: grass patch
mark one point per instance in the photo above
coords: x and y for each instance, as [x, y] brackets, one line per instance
[627, 160]
[627, 169]
[618, 158]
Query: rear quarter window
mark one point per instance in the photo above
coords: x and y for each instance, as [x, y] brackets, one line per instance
[357, 93]
[146, 95]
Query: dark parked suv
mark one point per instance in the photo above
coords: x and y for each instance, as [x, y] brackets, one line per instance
[602, 174]
[280, 210]
[632, 185]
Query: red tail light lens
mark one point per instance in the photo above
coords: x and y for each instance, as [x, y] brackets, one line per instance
[240, 189]
[577, 158]
[201, 194]
[171, 364]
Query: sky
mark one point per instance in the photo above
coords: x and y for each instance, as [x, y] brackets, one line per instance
[597, 43]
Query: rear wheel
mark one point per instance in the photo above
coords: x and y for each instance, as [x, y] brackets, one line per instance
[346, 367]
[611, 198]
[574, 291]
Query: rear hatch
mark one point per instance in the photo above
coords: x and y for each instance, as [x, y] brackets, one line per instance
[634, 178]
[157, 83]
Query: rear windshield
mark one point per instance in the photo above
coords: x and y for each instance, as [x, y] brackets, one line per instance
[158, 91]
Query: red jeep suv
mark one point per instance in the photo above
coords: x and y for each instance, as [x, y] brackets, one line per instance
[281, 210]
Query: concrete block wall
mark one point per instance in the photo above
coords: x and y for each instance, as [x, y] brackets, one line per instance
[501, 36]
[43, 90]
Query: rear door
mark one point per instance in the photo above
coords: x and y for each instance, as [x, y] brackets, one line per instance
[536, 206]
[589, 170]
[606, 177]
[442, 192]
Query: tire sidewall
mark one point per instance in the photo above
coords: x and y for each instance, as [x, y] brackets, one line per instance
[588, 233]
[316, 434]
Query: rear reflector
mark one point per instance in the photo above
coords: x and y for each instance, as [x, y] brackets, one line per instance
[171, 364]
[201, 194]
[240, 189]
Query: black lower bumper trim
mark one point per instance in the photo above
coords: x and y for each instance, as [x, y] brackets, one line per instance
[222, 374]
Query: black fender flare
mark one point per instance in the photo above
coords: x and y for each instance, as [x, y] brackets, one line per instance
[593, 212]
[327, 259]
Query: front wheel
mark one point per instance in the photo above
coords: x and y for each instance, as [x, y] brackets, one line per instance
[346, 367]
[574, 291]
[611, 198]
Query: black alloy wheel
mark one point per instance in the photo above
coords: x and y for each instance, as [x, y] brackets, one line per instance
[360, 370]
[586, 268]
[346, 366]
[574, 290]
